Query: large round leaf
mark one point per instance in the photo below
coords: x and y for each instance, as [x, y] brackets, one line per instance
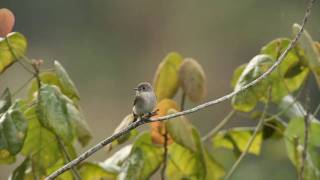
[18, 44]
[192, 79]
[166, 78]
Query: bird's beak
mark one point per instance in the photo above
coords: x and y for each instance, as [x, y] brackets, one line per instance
[135, 89]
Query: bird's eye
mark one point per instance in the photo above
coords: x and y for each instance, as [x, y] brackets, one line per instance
[144, 88]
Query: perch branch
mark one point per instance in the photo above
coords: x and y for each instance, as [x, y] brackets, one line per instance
[140, 122]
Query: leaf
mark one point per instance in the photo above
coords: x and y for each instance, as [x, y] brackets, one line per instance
[124, 124]
[181, 131]
[114, 163]
[292, 108]
[13, 130]
[50, 78]
[294, 144]
[247, 100]
[42, 144]
[311, 52]
[92, 171]
[6, 22]
[82, 129]
[67, 85]
[20, 172]
[166, 78]
[46, 78]
[52, 113]
[18, 43]
[143, 161]
[185, 164]
[158, 129]
[236, 74]
[192, 79]
[291, 73]
[237, 139]
[5, 101]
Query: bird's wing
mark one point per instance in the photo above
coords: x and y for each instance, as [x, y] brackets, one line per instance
[137, 100]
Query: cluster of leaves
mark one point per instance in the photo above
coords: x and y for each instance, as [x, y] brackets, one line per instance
[44, 127]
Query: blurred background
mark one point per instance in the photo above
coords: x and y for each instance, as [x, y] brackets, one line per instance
[108, 47]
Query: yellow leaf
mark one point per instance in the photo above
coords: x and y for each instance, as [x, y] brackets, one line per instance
[166, 78]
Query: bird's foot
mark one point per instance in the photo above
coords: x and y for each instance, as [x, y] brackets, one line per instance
[150, 114]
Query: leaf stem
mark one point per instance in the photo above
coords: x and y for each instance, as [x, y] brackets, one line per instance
[165, 155]
[67, 158]
[252, 138]
[183, 99]
[218, 127]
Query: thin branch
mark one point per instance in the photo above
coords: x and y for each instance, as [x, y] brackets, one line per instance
[140, 122]
[183, 99]
[218, 127]
[252, 138]
[315, 113]
[306, 139]
[22, 87]
[165, 156]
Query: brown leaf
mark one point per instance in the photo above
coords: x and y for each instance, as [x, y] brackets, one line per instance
[158, 128]
[6, 22]
[192, 80]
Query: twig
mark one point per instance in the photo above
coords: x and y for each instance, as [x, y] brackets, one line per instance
[67, 157]
[165, 155]
[306, 139]
[252, 138]
[217, 128]
[183, 99]
[139, 122]
[22, 87]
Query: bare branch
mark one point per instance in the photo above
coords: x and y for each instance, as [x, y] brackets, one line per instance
[252, 138]
[140, 122]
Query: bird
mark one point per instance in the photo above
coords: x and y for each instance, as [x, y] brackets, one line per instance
[144, 102]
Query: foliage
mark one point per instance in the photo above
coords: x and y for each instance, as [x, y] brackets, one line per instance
[45, 126]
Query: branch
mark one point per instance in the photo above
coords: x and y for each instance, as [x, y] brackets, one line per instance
[140, 122]
[217, 128]
[306, 138]
[252, 138]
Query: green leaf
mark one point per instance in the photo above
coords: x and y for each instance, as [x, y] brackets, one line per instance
[247, 100]
[181, 131]
[143, 161]
[82, 130]
[20, 172]
[294, 144]
[5, 101]
[53, 114]
[237, 140]
[311, 52]
[67, 84]
[192, 79]
[292, 108]
[166, 81]
[185, 164]
[46, 78]
[13, 130]
[236, 74]
[18, 43]
[92, 171]
[291, 73]
[42, 145]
